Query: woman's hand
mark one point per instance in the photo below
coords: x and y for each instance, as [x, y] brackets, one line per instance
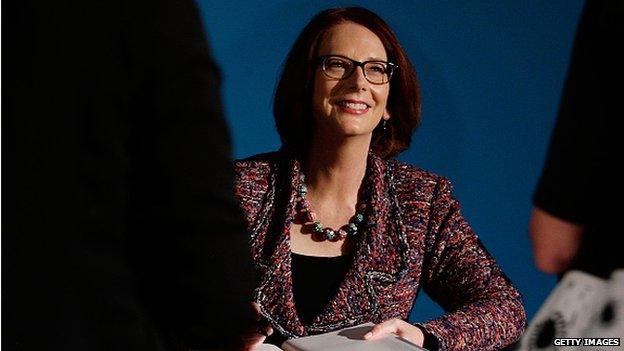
[399, 327]
[255, 336]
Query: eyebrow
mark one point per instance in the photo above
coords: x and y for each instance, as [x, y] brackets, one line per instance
[375, 59]
[370, 58]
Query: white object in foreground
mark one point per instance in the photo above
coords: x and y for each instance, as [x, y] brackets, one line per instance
[349, 339]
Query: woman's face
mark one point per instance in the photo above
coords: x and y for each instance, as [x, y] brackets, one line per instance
[351, 106]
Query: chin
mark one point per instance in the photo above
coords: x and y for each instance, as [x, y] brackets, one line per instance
[347, 127]
[352, 131]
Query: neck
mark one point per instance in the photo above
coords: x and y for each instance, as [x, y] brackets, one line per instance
[336, 168]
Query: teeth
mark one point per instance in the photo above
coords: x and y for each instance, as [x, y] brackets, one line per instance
[354, 105]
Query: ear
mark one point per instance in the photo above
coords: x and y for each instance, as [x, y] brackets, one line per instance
[386, 115]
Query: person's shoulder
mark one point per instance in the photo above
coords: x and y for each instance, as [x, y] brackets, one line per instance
[252, 176]
[408, 174]
[258, 163]
[271, 156]
[265, 157]
[416, 187]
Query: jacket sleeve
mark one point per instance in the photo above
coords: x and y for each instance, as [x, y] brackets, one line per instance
[484, 310]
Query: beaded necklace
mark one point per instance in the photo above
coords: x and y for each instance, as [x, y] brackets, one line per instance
[311, 219]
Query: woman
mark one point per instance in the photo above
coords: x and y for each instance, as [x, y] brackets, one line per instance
[341, 232]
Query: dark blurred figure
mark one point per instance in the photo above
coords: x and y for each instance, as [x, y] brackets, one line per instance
[578, 202]
[120, 231]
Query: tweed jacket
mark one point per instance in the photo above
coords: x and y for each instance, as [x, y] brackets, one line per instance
[414, 237]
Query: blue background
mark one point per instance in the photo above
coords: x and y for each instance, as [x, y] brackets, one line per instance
[491, 74]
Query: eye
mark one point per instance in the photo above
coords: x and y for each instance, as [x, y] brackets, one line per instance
[377, 68]
[336, 63]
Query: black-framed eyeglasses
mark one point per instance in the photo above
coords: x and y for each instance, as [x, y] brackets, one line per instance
[340, 67]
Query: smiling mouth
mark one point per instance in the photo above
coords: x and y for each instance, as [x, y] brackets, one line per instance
[353, 106]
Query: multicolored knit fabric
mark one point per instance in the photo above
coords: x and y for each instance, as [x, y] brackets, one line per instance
[414, 237]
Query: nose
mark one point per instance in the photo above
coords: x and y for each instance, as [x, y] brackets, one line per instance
[357, 80]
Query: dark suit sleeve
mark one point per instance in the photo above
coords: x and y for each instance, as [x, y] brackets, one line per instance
[188, 238]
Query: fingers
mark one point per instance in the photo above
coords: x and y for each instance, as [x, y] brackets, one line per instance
[398, 327]
[256, 309]
[257, 335]
[265, 329]
[382, 330]
[263, 326]
[251, 342]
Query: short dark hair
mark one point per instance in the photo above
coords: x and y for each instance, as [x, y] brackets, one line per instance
[293, 96]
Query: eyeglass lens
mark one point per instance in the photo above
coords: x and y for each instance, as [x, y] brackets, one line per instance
[342, 68]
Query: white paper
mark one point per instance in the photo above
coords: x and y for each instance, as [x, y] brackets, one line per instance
[349, 339]
[267, 347]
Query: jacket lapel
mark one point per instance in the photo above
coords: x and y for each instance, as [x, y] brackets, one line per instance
[274, 293]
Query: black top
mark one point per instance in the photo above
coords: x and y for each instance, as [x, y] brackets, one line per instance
[581, 181]
[315, 281]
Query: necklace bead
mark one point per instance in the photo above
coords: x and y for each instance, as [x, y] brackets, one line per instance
[352, 229]
[359, 218]
[348, 230]
[317, 227]
[329, 234]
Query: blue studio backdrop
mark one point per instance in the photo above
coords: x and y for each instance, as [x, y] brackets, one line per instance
[491, 74]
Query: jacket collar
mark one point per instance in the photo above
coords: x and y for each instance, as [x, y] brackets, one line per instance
[380, 256]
